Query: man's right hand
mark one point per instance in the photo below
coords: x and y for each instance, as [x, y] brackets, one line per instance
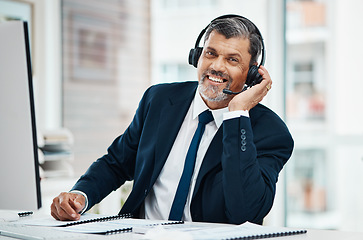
[67, 206]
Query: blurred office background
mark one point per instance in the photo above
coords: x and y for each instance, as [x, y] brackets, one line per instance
[92, 61]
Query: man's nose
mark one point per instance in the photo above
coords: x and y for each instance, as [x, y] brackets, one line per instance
[219, 64]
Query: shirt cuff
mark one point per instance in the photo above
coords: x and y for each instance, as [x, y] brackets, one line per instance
[235, 114]
[86, 199]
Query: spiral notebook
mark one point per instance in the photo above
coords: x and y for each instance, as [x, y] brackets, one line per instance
[92, 223]
[109, 226]
[49, 221]
[243, 231]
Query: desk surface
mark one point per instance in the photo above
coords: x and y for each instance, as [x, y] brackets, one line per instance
[312, 234]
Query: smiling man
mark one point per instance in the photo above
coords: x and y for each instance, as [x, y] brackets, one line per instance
[194, 152]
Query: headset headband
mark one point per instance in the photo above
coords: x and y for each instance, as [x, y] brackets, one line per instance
[235, 16]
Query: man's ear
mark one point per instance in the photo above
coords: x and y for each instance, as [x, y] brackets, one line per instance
[254, 64]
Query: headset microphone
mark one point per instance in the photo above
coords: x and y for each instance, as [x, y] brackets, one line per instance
[257, 80]
[227, 91]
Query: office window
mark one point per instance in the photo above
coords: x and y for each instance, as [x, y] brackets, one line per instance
[311, 192]
[305, 98]
[307, 187]
[106, 68]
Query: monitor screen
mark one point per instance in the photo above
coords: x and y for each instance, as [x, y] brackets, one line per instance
[19, 167]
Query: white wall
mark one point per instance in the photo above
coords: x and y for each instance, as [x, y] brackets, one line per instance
[347, 50]
[46, 63]
[347, 42]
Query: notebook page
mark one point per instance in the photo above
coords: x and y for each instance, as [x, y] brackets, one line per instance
[49, 221]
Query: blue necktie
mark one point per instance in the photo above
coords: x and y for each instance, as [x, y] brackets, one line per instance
[181, 194]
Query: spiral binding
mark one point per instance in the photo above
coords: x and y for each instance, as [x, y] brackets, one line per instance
[173, 222]
[117, 231]
[166, 223]
[100, 219]
[25, 214]
[268, 235]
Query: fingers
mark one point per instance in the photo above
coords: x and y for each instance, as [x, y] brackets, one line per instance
[66, 206]
[252, 96]
[78, 203]
[266, 79]
[262, 89]
[53, 212]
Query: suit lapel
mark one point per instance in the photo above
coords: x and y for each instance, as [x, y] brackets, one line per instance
[171, 118]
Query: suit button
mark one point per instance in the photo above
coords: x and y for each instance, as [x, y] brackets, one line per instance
[243, 142]
[243, 148]
[243, 131]
[243, 137]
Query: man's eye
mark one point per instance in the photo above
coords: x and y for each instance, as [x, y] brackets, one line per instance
[233, 59]
[209, 53]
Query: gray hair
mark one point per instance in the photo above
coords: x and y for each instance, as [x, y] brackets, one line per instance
[238, 27]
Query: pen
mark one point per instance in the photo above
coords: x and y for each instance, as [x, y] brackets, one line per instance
[19, 235]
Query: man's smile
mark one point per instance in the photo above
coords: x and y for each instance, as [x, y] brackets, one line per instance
[216, 79]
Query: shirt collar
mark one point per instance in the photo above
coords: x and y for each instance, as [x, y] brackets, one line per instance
[199, 106]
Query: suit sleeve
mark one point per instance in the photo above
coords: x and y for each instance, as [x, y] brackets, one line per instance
[252, 158]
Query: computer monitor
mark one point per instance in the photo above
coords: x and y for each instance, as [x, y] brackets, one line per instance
[19, 167]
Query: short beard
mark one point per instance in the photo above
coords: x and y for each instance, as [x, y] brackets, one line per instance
[219, 95]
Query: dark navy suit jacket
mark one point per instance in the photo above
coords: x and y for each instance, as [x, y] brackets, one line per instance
[236, 182]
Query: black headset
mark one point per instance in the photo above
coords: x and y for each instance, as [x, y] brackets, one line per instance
[253, 77]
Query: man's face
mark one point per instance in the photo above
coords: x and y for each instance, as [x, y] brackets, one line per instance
[224, 63]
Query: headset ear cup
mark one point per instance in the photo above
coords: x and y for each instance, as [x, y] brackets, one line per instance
[253, 77]
[191, 54]
[194, 55]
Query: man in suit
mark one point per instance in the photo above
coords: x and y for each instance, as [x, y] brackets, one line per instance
[238, 159]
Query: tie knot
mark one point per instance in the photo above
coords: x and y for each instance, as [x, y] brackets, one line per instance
[205, 117]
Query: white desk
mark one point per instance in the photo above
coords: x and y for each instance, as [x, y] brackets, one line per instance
[312, 234]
